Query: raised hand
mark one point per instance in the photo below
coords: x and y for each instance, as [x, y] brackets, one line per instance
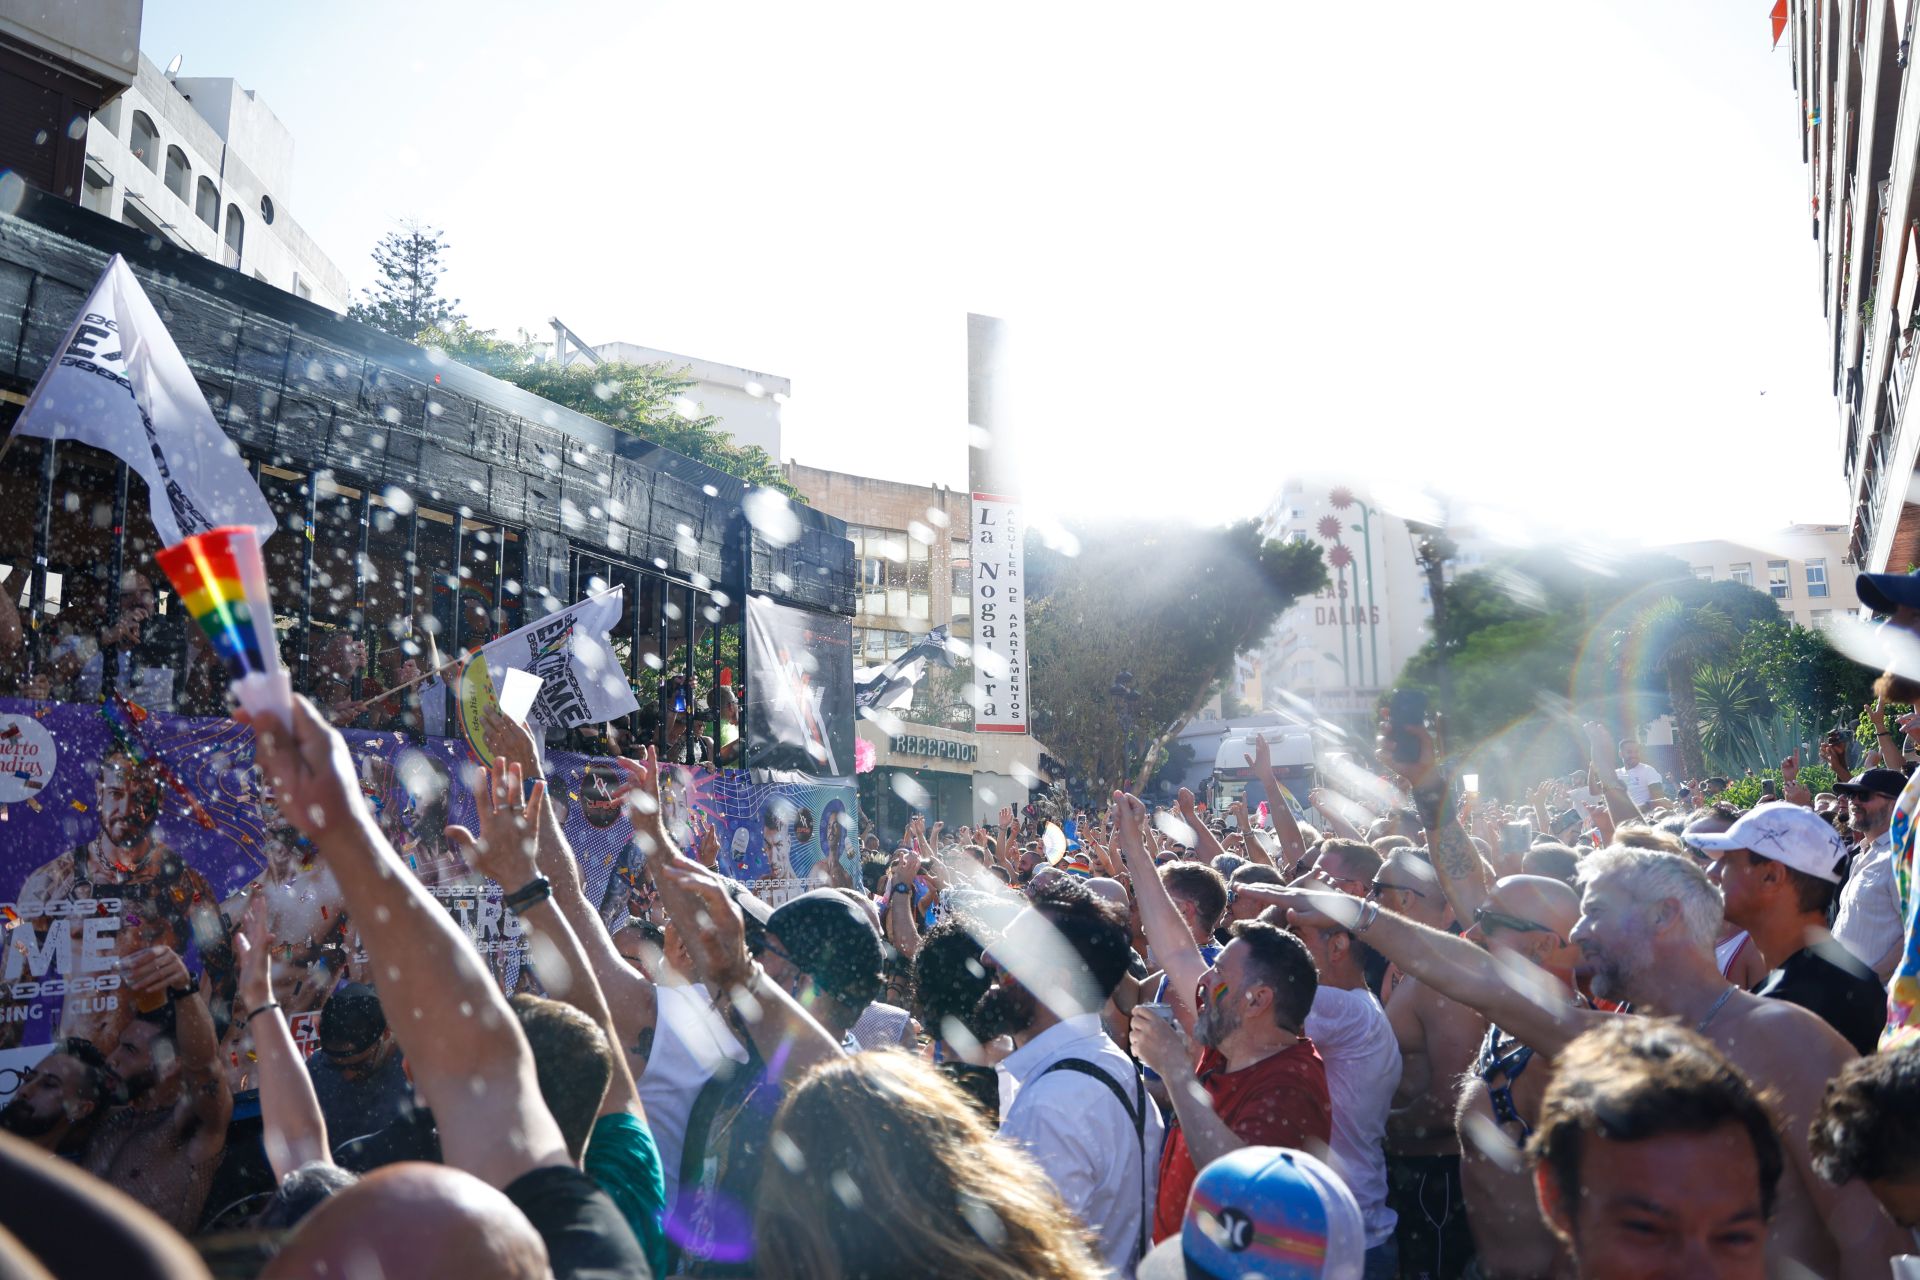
[253, 947]
[1419, 773]
[708, 846]
[308, 766]
[1262, 758]
[1790, 769]
[1161, 1045]
[510, 740]
[506, 850]
[707, 920]
[153, 971]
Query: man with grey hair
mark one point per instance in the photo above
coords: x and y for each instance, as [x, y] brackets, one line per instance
[1646, 933]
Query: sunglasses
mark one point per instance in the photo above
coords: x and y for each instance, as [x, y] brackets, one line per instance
[1375, 889]
[1486, 916]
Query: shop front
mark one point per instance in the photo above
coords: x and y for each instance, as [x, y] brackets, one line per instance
[947, 775]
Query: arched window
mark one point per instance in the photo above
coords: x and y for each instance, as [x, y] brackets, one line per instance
[145, 142]
[206, 202]
[236, 234]
[178, 174]
[266, 209]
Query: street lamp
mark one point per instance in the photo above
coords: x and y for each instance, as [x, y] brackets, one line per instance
[1127, 700]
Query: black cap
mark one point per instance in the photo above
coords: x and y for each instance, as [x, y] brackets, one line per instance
[830, 938]
[1885, 592]
[352, 1020]
[1874, 782]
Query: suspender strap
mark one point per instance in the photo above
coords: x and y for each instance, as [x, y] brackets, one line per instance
[1136, 1112]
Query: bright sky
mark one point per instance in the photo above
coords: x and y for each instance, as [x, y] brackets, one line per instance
[1550, 257]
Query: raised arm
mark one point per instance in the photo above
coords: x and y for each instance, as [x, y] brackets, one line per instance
[469, 1059]
[902, 931]
[294, 1130]
[1327, 805]
[709, 922]
[1522, 998]
[506, 851]
[207, 1105]
[628, 994]
[1463, 876]
[1620, 805]
[1205, 846]
[1166, 930]
[1293, 846]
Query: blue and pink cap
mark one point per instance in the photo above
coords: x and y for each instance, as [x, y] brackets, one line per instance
[1264, 1212]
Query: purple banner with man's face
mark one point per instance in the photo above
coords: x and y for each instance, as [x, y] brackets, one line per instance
[120, 830]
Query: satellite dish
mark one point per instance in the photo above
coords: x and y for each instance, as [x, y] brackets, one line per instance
[173, 68]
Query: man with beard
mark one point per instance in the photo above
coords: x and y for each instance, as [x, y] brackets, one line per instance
[60, 1097]
[1069, 1095]
[163, 1146]
[1522, 923]
[305, 915]
[124, 871]
[1646, 932]
[1257, 1079]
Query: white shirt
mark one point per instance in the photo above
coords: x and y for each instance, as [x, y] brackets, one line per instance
[1868, 923]
[1363, 1069]
[1081, 1137]
[1640, 781]
[690, 1041]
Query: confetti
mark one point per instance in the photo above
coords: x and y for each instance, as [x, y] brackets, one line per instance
[33, 804]
[11, 731]
[10, 917]
[79, 806]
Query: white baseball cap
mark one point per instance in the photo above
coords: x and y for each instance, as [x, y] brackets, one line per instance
[1782, 832]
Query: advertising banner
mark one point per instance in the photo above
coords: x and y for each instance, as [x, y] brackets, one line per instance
[799, 691]
[121, 829]
[999, 615]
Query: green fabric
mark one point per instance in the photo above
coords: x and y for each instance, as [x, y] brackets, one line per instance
[623, 1160]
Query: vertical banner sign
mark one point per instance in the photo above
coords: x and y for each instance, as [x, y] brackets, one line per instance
[998, 540]
[999, 615]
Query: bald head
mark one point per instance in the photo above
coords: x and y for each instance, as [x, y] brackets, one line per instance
[414, 1219]
[1110, 889]
[1539, 899]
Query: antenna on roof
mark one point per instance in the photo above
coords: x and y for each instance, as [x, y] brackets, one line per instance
[173, 68]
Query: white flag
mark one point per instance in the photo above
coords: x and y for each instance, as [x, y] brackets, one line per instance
[582, 679]
[120, 384]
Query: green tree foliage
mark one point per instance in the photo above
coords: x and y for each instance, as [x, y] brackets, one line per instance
[1810, 683]
[406, 297]
[1170, 604]
[1534, 638]
[636, 398]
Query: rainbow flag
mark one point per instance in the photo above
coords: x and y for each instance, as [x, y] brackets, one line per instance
[223, 583]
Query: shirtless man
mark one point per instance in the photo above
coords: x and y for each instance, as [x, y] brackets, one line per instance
[163, 1146]
[307, 916]
[127, 874]
[1646, 931]
[1439, 1041]
[60, 1098]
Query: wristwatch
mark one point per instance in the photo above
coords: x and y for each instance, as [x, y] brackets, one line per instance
[903, 888]
[176, 994]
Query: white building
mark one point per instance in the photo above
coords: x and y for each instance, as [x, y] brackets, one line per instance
[1803, 567]
[747, 403]
[206, 166]
[1342, 647]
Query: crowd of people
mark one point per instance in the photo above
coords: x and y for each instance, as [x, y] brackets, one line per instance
[1617, 1027]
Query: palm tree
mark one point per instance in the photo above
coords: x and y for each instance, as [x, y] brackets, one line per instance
[1676, 640]
[1739, 725]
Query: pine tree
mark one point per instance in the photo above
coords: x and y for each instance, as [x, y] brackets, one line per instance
[406, 298]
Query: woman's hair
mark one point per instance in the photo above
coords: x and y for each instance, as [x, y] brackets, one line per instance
[877, 1167]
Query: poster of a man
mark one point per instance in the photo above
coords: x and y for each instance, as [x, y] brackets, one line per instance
[92, 907]
[307, 916]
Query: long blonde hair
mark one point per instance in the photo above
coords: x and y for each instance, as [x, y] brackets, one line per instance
[879, 1167]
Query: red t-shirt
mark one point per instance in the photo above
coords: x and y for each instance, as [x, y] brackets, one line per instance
[1279, 1101]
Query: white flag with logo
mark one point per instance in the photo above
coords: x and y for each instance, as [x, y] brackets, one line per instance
[582, 680]
[120, 384]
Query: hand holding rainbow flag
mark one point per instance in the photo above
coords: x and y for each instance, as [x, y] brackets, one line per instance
[223, 583]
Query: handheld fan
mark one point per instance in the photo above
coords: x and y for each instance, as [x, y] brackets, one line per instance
[223, 583]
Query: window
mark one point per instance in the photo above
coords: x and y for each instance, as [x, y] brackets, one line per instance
[1822, 618]
[236, 235]
[145, 142]
[960, 565]
[300, 289]
[889, 561]
[1704, 572]
[266, 210]
[1817, 579]
[1742, 574]
[206, 202]
[1777, 582]
[109, 117]
[178, 173]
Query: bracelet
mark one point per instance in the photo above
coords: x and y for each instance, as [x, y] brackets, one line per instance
[531, 894]
[1369, 912]
[271, 1004]
[177, 994]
